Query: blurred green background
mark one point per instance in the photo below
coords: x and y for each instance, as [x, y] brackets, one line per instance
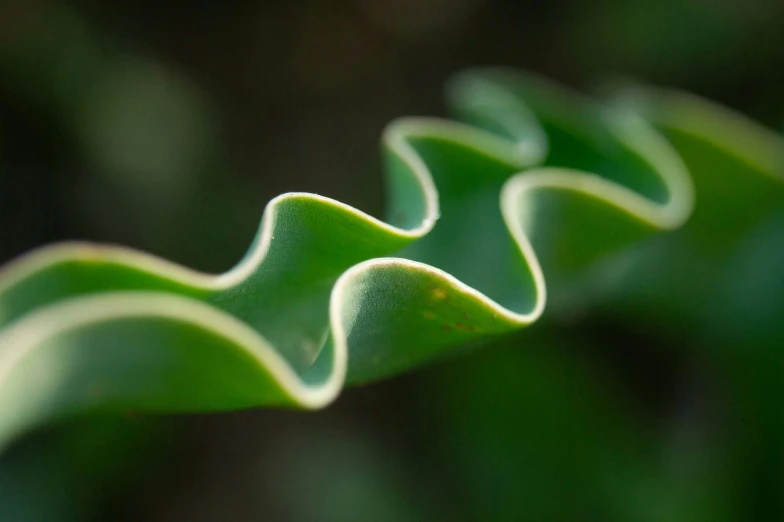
[168, 126]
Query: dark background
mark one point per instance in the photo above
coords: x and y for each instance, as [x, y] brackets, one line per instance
[168, 126]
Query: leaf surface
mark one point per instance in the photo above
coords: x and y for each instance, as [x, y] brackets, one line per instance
[535, 179]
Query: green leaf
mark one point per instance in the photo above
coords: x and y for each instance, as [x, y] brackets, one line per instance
[316, 302]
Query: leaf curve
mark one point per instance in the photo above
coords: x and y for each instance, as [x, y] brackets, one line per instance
[737, 168]
[316, 302]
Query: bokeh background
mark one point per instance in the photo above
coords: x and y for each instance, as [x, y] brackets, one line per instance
[167, 126]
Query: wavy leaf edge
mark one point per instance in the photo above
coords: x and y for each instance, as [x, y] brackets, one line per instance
[470, 91]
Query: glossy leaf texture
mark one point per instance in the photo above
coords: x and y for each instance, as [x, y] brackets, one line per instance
[531, 182]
